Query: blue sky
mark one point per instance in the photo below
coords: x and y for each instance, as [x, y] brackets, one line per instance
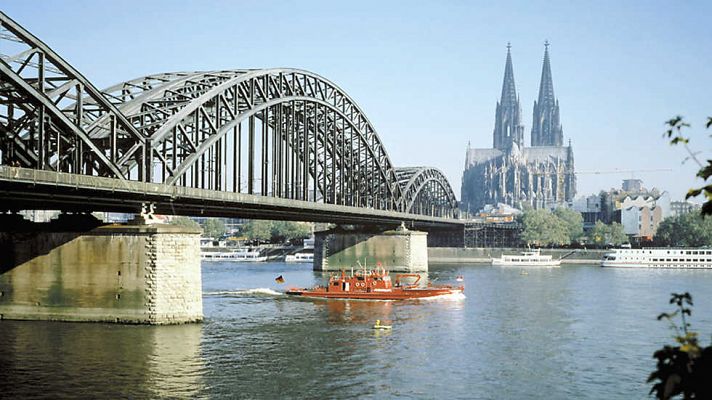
[428, 74]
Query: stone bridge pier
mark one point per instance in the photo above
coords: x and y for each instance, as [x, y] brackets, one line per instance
[76, 269]
[344, 247]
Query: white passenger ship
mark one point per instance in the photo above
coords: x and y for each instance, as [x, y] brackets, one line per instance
[243, 255]
[658, 258]
[300, 257]
[532, 258]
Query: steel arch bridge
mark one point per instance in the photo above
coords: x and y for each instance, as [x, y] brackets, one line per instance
[274, 133]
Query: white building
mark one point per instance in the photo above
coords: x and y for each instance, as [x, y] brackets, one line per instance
[641, 214]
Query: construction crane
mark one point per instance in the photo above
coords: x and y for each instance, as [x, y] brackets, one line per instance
[623, 171]
[605, 172]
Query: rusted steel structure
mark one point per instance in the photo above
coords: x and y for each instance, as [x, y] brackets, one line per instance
[273, 133]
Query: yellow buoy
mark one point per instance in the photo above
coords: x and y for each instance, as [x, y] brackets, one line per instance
[379, 326]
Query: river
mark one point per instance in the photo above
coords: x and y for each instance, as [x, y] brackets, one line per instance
[572, 332]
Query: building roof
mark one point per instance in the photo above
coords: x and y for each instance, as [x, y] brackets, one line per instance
[538, 154]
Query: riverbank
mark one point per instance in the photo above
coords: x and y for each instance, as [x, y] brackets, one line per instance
[456, 255]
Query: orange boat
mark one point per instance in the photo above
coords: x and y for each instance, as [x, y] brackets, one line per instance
[374, 285]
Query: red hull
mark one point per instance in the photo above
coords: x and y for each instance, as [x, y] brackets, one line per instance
[374, 285]
[395, 294]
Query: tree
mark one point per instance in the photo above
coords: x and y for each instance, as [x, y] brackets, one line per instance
[603, 234]
[599, 233]
[542, 228]
[276, 231]
[184, 221]
[288, 230]
[258, 230]
[617, 234]
[214, 228]
[674, 133]
[684, 369]
[685, 230]
[573, 222]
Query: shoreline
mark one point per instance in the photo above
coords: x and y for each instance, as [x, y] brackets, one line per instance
[481, 255]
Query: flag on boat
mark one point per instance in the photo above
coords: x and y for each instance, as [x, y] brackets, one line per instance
[279, 279]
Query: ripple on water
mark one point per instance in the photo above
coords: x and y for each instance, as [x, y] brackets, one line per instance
[560, 333]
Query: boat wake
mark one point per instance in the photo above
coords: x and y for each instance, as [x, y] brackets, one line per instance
[256, 292]
[449, 296]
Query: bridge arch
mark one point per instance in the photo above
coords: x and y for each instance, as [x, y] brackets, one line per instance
[283, 133]
[427, 191]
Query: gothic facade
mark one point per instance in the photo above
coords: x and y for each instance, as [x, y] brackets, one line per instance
[540, 176]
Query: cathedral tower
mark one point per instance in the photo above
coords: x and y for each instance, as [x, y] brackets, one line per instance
[508, 129]
[546, 128]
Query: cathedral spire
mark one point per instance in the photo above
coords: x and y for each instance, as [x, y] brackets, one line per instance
[546, 128]
[507, 127]
[509, 89]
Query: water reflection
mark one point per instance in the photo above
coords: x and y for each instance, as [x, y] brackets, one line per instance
[176, 365]
[98, 360]
[355, 311]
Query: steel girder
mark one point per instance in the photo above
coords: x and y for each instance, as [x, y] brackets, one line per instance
[283, 133]
[427, 191]
[47, 109]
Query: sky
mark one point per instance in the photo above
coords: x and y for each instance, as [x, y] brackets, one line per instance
[428, 74]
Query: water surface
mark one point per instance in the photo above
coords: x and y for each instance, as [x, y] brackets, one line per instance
[555, 333]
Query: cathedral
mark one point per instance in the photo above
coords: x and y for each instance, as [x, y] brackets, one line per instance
[540, 176]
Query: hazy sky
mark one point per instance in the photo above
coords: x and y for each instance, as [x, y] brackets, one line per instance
[428, 74]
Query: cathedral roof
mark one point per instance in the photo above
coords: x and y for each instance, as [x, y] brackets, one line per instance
[545, 153]
[538, 154]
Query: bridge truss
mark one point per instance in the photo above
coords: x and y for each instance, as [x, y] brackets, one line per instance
[275, 133]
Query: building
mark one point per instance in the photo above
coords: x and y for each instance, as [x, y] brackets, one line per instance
[641, 214]
[638, 209]
[540, 176]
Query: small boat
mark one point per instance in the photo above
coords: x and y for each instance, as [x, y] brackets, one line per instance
[379, 326]
[374, 285]
[531, 258]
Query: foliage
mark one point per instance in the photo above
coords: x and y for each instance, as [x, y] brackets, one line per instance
[617, 234]
[674, 133]
[288, 230]
[541, 228]
[214, 228]
[258, 230]
[684, 369]
[573, 221]
[276, 231]
[687, 230]
[603, 234]
[184, 221]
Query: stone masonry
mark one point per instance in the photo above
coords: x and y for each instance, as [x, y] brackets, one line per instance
[145, 274]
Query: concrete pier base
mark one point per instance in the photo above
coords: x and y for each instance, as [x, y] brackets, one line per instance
[398, 250]
[73, 269]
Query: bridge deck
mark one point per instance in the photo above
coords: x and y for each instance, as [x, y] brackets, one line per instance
[23, 188]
